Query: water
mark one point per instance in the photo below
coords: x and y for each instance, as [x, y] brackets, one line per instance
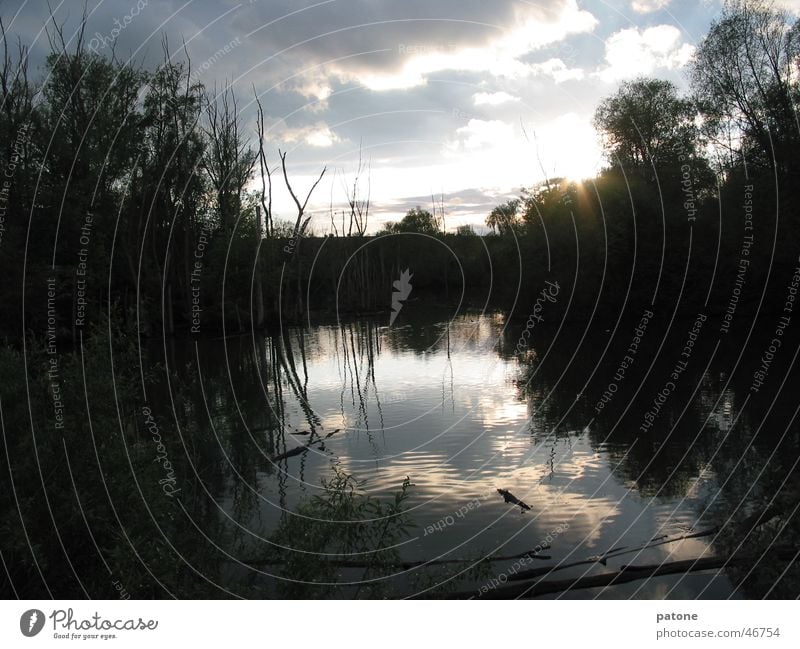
[457, 405]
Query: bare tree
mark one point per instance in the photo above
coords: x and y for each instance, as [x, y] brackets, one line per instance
[17, 95]
[357, 203]
[299, 225]
[438, 211]
[228, 160]
[266, 174]
[266, 204]
[334, 229]
[538, 156]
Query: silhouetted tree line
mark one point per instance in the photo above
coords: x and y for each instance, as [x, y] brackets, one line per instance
[129, 188]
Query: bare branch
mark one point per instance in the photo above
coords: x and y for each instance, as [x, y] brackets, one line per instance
[266, 185]
[300, 207]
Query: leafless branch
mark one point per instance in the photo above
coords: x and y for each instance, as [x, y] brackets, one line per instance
[301, 208]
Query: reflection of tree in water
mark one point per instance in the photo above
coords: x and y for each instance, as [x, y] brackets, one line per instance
[357, 346]
[339, 524]
[110, 517]
[756, 508]
[239, 408]
[699, 436]
[709, 432]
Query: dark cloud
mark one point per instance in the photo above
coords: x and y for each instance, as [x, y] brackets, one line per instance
[344, 27]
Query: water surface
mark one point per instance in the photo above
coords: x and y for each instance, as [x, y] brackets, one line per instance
[460, 407]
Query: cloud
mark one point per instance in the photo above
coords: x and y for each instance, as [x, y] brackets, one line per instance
[633, 52]
[316, 89]
[317, 135]
[557, 69]
[648, 6]
[498, 56]
[461, 206]
[492, 98]
[792, 6]
[479, 132]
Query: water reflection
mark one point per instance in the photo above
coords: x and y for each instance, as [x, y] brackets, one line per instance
[453, 403]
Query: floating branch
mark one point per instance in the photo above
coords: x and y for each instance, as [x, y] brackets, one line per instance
[299, 449]
[624, 575]
[611, 554]
[346, 563]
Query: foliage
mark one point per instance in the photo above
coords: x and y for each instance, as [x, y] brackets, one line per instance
[416, 220]
[283, 229]
[645, 124]
[84, 504]
[744, 77]
[504, 218]
[341, 522]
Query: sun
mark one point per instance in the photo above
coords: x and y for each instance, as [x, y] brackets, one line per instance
[572, 146]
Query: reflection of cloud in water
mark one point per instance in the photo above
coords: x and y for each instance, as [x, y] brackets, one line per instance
[440, 404]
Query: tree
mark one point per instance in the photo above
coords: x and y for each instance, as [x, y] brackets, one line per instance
[300, 223]
[89, 124]
[503, 218]
[265, 173]
[744, 77]
[167, 198]
[416, 220]
[646, 124]
[229, 159]
[358, 200]
[19, 122]
[465, 231]
[551, 203]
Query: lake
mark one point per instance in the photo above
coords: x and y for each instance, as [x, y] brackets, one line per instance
[466, 404]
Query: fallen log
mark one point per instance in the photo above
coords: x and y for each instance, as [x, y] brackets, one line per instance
[611, 554]
[346, 563]
[624, 575]
[300, 449]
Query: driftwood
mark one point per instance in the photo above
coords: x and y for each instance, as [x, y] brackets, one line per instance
[611, 554]
[511, 498]
[346, 563]
[624, 575]
[300, 449]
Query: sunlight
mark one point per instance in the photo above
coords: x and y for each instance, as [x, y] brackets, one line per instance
[569, 147]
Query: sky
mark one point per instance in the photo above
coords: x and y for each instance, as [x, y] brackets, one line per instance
[465, 100]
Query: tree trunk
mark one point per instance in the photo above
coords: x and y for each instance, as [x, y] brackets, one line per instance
[257, 283]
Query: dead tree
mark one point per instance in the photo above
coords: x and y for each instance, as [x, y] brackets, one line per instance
[300, 226]
[334, 229]
[266, 174]
[266, 205]
[438, 212]
[357, 203]
[17, 93]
